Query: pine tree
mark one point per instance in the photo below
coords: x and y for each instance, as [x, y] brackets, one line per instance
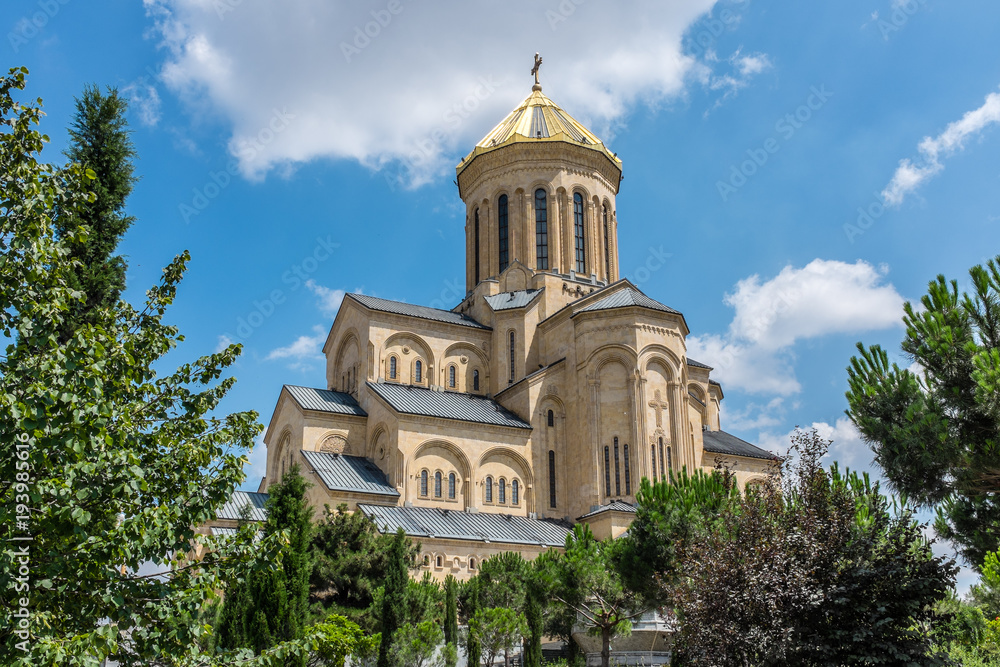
[100, 142]
[394, 599]
[450, 609]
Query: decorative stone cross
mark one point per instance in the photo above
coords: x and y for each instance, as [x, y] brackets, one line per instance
[538, 64]
[658, 406]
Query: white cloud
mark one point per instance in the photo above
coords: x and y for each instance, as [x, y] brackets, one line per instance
[847, 448]
[424, 84]
[911, 175]
[145, 101]
[329, 299]
[303, 352]
[223, 342]
[823, 297]
[743, 69]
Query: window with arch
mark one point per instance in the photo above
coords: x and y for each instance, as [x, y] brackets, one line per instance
[670, 463]
[551, 418]
[392, 368]
[652, 458]
[515, 492]
[472, 563]
[502, 491]
[423, 483]
[427, 560]
[475, 380]
[476, 246]
[437, 484]
[618, 479]
[607, 246]
[628, 473]
[438, 561]
[451, 485]
[552, 478]
[663, 461]
[418, 371]
[489, 489]
[451, 376]
[607, 471]
[581, 255]
[502, 228]
[512, 351]
[541, 230]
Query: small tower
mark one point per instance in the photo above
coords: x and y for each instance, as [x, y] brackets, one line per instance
[540, 189]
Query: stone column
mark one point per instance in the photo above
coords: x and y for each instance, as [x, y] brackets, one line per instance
[515, 213]
[569, 257]
[528, 242]
[555, 235]
[595, 448]
[678, 419]
[641, 431]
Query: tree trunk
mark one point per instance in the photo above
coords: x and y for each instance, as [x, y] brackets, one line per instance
[606, 646]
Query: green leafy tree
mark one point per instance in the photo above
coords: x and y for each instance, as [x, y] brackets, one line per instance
[417, 645]
[99, 142]
[451, 611]
[469, 598]
[394, 598]
[936, 432]
[497, 630]
[534, 606]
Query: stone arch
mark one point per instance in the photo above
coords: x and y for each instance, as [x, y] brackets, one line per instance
[516, 462]
[613, 352]
[280, 452]
[451, 454]
[515, 278]
[379, 437]
[347, 361]
[333, 442]
[420, 348]
[475, 359]
[665, 357]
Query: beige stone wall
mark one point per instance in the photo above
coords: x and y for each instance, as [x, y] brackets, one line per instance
[461, 559]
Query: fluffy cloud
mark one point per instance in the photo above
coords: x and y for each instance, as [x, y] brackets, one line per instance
[303, 352]
[848, 449]
[823, 297]
[911, 175]
[412, 84]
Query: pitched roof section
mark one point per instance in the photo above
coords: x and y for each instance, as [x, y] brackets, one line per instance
[613, 506]
[232, 508]
[509, 300]
[411, 400]
[325, 400]
[423, 312]
[626, 297]
[698, 364]
[720, 442]
[458, 525]
[350, 473]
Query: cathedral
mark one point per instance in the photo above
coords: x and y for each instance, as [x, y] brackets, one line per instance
[539, 401]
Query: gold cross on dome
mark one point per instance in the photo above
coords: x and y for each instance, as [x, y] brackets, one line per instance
[538, 64]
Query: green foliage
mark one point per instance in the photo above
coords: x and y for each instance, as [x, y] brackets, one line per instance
[937, 435]
[469, 599]
[417, 645]
[534, 606]
[497, 630]
[119, 463]
[451, 610]
[394, 598]
[99, 142]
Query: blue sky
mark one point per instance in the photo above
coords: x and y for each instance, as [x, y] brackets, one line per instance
[298, 157]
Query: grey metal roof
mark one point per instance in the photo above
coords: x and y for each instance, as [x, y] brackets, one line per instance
[508, 300]
[350, 473]
[613, 506]
[458, 525]
[231, 509]
[720, 442]
[628, 296]
[698, 364]
[325, 400]
[411, 400]
[423, 312]
[229, 532]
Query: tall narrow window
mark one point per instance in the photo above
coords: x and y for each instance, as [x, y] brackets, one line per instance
[502, 491]
[652, 457]
[581, 256]
[515, 489]
[475, 380]
[552, 478]
[437, 484]
[607, 472]
[552, 418]
[618, 479]
[451, 376]
[502, 226]
[628, 473]
[489, 489]
[392, 368]
[512, 350]
[663, 462]
[607, 247]
[541, 231]
[670, 463]
[475, 248]
[418, 371]
[451, 485]
[423, 482]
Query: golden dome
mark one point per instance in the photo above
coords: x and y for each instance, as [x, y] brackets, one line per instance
[538, 119]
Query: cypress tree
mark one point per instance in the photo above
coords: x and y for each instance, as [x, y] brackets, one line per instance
[533, 614]
[394, 598]
[450, 610]
[473, 649]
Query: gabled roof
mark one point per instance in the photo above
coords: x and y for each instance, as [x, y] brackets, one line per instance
[613, 506]
[232, 508]
[325, 400]
[698, 364]
[423, 312]
[629, 296]
[720, 442]
[410, 400]
[349, 473]
[509, 300]
[459, 525]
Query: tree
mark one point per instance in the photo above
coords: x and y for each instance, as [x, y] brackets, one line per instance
[417, 645]
[497, 630]
[825, 571]
[470, 606]
[100, 142]
[394, 599]
[587, 583]
[935, 427]
[534, 605]
[451, 611]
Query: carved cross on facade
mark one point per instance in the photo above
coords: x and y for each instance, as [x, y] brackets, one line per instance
[658, 406]
[538, 64]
